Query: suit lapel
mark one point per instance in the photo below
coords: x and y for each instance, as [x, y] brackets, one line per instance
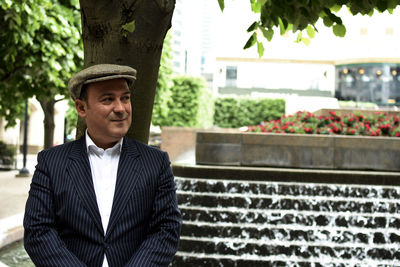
[129, 170]
[79, 171]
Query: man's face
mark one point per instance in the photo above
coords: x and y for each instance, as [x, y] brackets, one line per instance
[107, 111]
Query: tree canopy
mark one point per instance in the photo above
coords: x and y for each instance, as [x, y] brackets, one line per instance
[301, 16]
[40, 47]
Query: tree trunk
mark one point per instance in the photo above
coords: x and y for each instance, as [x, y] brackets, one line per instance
[105, 41]
[49, 125]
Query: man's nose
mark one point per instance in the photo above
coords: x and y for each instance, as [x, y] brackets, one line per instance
[118, 106]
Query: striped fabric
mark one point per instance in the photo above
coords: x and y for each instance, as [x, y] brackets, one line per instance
[62, 221]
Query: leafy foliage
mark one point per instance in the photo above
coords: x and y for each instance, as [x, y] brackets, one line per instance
[164, 83]
[7, 154]
[40, 46]
[190, 104]
[233, 112]
[302, 16]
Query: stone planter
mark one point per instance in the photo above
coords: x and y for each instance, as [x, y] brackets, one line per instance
[298, 151]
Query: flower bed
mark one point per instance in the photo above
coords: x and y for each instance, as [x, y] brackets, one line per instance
[377, 124]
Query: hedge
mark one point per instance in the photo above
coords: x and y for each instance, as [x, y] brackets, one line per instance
[235, 112]
[189, 104]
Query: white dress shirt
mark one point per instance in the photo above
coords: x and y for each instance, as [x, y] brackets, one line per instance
[104, 167]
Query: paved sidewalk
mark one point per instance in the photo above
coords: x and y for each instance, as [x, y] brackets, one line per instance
[13, 193]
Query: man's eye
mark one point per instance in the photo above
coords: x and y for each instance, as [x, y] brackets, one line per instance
[126, 98]
[107, 99]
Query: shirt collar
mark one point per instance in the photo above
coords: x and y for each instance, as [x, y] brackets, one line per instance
[91, 144]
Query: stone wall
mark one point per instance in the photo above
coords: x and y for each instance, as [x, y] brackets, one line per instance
[178, 141]
[298, 151]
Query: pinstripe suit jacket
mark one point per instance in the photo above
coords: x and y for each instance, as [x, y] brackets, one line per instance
[62, 221]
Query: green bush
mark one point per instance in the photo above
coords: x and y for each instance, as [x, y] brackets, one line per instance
[232, 112]
[190, 103]
[164, 81]
[7, 153]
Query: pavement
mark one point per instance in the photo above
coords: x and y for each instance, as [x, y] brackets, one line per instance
[13, 194]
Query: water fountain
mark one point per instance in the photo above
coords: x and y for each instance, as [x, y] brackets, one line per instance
[15, 255]
[232, 221]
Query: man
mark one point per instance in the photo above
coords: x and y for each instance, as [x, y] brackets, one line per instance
[105, 199]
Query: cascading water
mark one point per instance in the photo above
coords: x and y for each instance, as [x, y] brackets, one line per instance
[239, 223]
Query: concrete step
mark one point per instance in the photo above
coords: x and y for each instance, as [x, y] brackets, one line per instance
[222, 246]
[289, 189]
[299, 203]
[289, 217]
[216, 261]
[338, 235]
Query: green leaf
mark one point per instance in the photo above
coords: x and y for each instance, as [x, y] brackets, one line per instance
[27, 9]
[372, 12]
[281, 27]
[336, 8]
[339, 30]
[130, 26]
[256, 5]
[260, 49]
[221, 4]
[327, 21]
[252, 27]
[268, 33]
[7, 4]
[306, 41]
[299, 37]
[17, 19]
[252, 40]
[310, 31]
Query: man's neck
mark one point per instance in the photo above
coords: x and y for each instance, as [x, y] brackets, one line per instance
[103, 145]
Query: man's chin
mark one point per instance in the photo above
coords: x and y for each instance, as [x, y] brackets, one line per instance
[121, 133]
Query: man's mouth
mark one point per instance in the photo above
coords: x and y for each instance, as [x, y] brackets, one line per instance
[118, 120]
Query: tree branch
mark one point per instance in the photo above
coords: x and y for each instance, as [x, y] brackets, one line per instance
[58, 100]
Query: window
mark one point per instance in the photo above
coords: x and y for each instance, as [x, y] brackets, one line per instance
[231, 76]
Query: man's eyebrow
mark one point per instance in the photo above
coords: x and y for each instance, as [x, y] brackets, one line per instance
[128, 92]
[106, 94]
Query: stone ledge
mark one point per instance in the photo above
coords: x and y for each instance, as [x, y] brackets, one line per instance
[11, 230]
[298, 151]
[286, 174]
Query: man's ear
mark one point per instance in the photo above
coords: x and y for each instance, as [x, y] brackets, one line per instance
[81, 107]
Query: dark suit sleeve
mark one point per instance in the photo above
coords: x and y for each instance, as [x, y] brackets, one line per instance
[41, 239]
[162, 241]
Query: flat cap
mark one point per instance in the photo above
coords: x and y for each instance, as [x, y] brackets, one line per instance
[98, 73]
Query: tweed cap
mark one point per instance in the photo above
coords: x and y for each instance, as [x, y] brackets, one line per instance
[98, 73]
